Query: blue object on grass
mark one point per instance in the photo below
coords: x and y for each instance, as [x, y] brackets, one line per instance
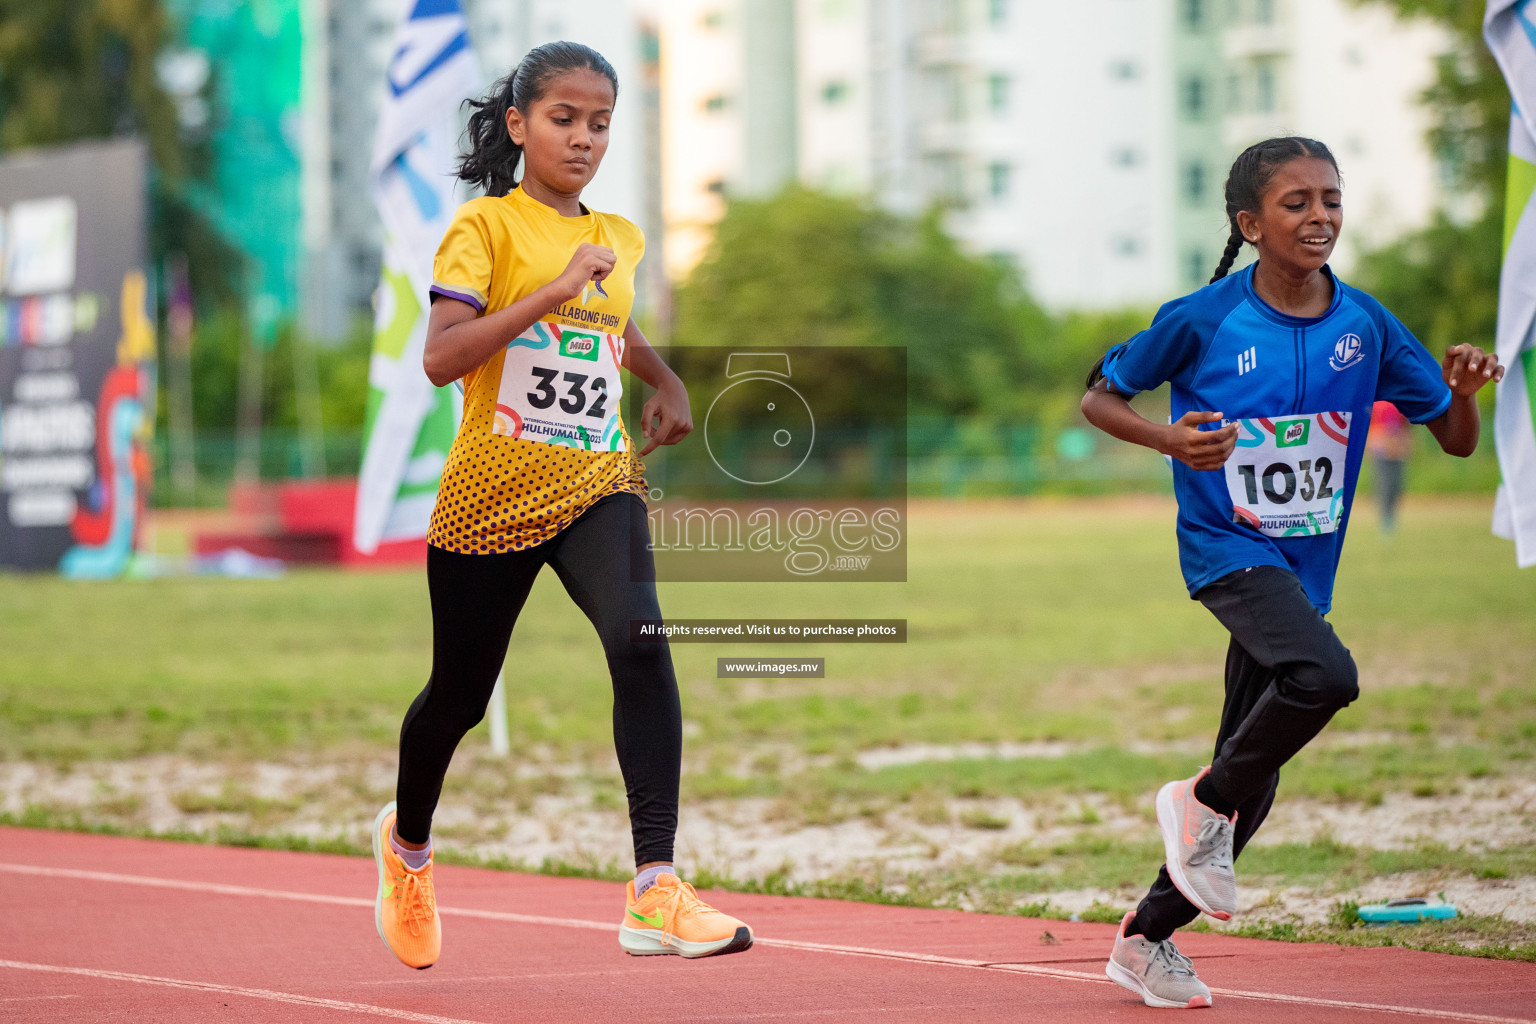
[1406, 911]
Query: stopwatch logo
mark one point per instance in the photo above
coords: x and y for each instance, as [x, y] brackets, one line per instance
[759, 429]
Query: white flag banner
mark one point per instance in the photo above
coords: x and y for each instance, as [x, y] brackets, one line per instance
[411, 424]
[1510, 30]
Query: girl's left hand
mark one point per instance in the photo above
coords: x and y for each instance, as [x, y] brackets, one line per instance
[1466, 368]
[669, 407]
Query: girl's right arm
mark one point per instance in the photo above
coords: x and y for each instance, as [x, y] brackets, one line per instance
[1198, 449]
[460, 339]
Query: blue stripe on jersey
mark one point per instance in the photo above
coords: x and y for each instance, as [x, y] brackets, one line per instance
[1224, 349]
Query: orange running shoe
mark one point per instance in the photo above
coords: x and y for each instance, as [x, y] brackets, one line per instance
[670, 918]
[405, 910]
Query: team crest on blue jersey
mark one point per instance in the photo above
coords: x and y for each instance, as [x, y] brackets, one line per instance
[1347, 351]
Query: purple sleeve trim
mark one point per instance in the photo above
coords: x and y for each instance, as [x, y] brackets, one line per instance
[462, 296]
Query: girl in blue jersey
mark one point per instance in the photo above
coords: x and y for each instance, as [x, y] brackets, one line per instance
[1273, 372]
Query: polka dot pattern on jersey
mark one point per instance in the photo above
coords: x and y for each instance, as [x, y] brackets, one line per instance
[534, 495]
[501, 494]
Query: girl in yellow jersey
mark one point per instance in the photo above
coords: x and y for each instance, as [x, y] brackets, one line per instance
[531, 300]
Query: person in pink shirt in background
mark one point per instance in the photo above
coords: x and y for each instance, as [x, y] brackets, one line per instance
[1390, 443]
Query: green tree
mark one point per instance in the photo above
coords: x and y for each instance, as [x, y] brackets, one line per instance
[71, 70]
[341, 375]
[1443, 281]
[86, 69]
[806, 268]
[1468, 99]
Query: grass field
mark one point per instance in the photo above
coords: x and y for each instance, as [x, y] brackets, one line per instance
[1054, 661]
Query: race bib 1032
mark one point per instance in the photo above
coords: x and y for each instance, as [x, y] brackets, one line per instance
[1286, 475]
[561, 385]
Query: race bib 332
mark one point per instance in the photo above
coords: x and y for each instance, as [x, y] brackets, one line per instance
[561, 385]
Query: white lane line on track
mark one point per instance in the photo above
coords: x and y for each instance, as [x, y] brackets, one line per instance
[1100, 978]
[943, 961]
[219, 889]
[28, 999]
[462, 979]
[1342, 1004]
[794, 944]
[237, 990]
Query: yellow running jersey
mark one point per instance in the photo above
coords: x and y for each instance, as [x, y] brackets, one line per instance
[541, 439]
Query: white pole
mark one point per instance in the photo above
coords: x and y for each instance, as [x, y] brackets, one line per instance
[248, 410]
[500, 745]
[306, 385]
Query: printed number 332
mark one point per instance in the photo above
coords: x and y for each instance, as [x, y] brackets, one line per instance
[575, 400]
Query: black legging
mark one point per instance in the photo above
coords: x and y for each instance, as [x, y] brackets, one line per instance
[1287, 674]
[605, 562]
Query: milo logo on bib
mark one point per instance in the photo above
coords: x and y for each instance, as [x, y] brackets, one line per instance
[544, 397]
[578, 345]
[1290, 433]
[1286, 475]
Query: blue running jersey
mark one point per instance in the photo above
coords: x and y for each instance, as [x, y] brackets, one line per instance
[1301, 389]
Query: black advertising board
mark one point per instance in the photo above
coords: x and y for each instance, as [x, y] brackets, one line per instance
[77, 358]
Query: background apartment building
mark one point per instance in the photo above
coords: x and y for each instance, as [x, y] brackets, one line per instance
[1347, 75]
[728, 112]
[1085, 142]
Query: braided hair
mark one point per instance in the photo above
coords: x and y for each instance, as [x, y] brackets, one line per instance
[1250, 176]
[492, 160]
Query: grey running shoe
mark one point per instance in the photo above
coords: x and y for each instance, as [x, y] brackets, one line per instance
[1198, 845]
[1156, 971]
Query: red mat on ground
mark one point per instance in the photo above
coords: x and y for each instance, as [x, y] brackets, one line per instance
[107, 928]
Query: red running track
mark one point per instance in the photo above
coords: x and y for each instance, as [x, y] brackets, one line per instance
[100, 928]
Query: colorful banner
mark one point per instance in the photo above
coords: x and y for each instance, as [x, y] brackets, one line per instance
[77, 358]
[253, 53]
[410, 424]
[1510, 30]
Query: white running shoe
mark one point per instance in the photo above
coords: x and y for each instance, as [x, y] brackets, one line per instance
[1156, 971]
[1198, 845]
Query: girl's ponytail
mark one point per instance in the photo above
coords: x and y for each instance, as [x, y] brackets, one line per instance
[492, 160]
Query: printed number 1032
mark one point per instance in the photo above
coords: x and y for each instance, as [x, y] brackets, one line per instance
[1282, 474]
